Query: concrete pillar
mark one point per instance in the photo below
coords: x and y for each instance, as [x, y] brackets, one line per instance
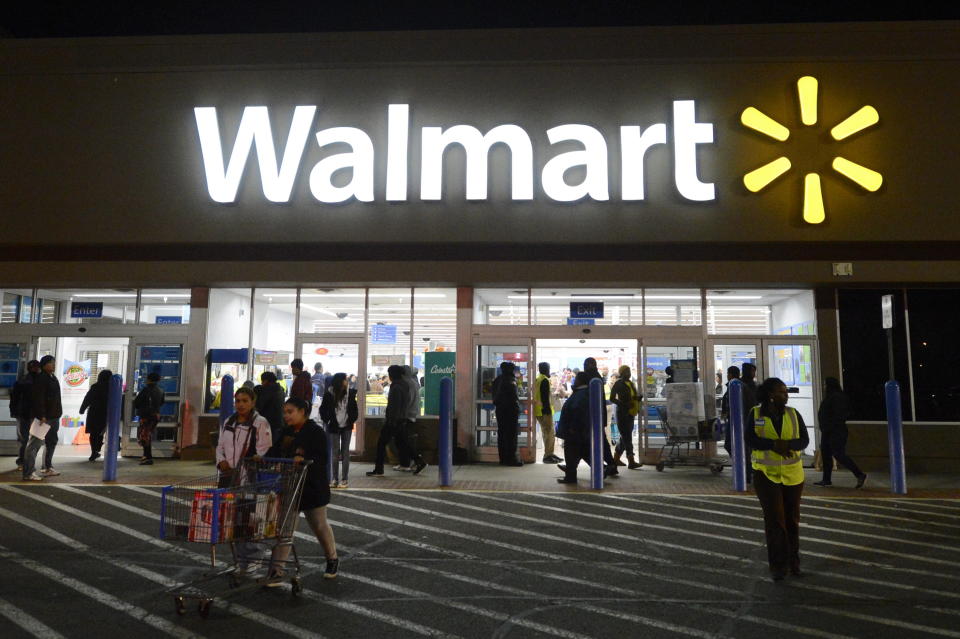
[463, 392]
[194, 366]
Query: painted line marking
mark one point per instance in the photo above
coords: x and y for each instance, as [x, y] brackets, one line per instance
[28, 622]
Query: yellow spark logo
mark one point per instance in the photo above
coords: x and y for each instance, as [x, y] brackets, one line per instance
[813, 211]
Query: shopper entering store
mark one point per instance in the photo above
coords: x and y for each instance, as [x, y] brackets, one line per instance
[777, 436]
[147, 404]
[395, 424]
[610, 470]
[96, 400]
[574, 428]
[625, 397]
[506, 401]
[543, 411]
[21, 408]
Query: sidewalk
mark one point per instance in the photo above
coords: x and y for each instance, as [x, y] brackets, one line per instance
[492, 477]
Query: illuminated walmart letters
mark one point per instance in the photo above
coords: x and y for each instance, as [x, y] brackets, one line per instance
[277, 180]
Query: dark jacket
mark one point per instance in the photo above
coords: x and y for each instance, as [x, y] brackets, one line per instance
[398, 399]
[302, 387]
[506, 396]
[595, 374]
[96, 400]
[148, 400]
[311, 444]
[45, 398]
[834, 412]
[270, 398]
[21, 401]
[574, 425]
[328, 411]
[621, 396]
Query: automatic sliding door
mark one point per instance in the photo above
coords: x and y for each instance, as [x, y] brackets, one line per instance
[664, 363]
[489, 358]
[795, 362]
[340, 356]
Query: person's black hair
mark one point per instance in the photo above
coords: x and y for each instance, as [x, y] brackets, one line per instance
[582, 379]
[104, 376]
[246, 390]
[153, 377]
[395, 372]
[297, 363]
[300, 404]
[832, 385]
[32, 363]
[734, 372]
[747, 366]
[268, 377]
[590, 364]
[46, 359]
[765, 392]
[337, 384]
[544, 368]
[507, 368]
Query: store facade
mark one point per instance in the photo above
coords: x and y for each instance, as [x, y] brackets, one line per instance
[706, 194]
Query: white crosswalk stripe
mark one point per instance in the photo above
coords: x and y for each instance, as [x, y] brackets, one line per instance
[27, 622]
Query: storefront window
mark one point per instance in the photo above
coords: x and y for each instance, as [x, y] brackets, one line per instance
[165, 306]
[760, 312]
[501, 306]
[672, 307]
[17, 306]
[274, 327]
[935, 351]
[601, 307]
[228, 339]
[332, 310]
[389, 339]
[87, 306]
[434, 338]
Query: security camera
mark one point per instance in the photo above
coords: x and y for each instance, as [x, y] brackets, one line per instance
[586, 330]
[82, 329]
[583, 341]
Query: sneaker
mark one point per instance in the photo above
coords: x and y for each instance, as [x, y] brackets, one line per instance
[375, 473]
[342, 484]
[334, 483]
[50, 472]
[564, 480]
[33, 477]
[94, 457]
[273, 580]
[861, 479]
[331, 571]
[404, 469]
[634, 465]
[823, 483]
[146, 462]
[420, 466]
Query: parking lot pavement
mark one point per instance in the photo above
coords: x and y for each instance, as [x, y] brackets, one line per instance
[492, 564]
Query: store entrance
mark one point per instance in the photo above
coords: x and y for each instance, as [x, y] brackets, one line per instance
[325, 357]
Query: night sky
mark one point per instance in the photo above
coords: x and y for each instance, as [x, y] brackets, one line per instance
[82, 19]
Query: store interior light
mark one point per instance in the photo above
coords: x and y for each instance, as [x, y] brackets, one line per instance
[867, 178]
[864, 118]
[759, 121]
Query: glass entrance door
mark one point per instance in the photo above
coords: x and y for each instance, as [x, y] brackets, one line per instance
[795, 362]
[324, 358]
[665, 361]
[13, 357]
[489, 358]
[165, 358]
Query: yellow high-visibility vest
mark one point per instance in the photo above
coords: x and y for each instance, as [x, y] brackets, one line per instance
[778, 469]
[537, 400]
[634, 398]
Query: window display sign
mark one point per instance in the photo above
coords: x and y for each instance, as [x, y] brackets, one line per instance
[586, 310]
[383, 334]
[437, 366]
[76, 373]
[86, 309]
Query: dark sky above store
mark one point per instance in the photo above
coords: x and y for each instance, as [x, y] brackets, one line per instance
[59, 18]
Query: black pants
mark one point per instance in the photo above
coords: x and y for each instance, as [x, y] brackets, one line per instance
[398, 432]
[507, 427]
[834, 445]
[96, 442]
[573, 452]
[23, 436]
[781, 522]
[625, 426]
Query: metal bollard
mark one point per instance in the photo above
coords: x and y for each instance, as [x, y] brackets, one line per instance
[226, 398]
[596, 434]
[445, 440]
[114, 404]
[737, 448]
[898, 471]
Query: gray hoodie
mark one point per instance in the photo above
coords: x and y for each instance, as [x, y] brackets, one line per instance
[413, 406]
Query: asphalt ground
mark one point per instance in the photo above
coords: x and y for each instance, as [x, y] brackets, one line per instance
[82, 560]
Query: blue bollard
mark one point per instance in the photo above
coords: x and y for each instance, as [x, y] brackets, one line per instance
[226, 399]
[898, 471]
[445, 440]
[737, 448]
[114, 403]
[596, 434]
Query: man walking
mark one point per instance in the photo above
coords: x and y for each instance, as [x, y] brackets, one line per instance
[147, 405]
[610, 469]
[396, 423]
[302, 386]
[47, 409]
[21, 407]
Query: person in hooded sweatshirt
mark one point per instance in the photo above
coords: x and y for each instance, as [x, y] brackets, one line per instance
[574, 428]
[96, 400]
[506, 401]
[21, 408]
[834, 411]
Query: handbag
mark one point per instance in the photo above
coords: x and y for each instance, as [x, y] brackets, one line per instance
[39, 429]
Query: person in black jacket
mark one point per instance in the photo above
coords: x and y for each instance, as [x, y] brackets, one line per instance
[396, 424]
[339, 412]
[610, 469]
[21, 408]
[47, 408]
[574, 428]
[270, 398]
[506, 401]
[833, 414]
[303, 440]
[96, 400]
[147, 405]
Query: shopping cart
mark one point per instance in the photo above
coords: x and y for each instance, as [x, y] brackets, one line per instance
[676, 449]
[259, 506]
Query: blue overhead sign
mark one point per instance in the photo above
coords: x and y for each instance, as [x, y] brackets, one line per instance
[86, 309]
[169, 319]
[586, 310]
[383, 334]
[574, 321]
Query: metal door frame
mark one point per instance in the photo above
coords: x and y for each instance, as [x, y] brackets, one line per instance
[527, 453]
[128, 442]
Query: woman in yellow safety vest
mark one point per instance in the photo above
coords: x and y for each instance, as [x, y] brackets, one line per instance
[777, 437]
[624, 395]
